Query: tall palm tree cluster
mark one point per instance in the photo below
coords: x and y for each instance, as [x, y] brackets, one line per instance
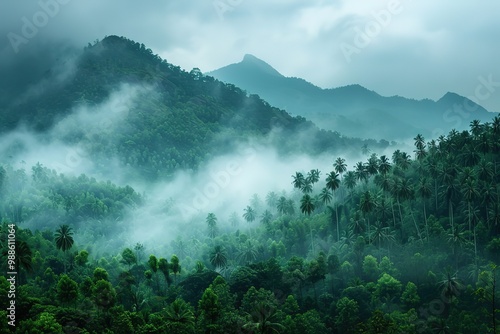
[451, 183]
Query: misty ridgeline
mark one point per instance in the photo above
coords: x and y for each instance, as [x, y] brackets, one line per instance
[148, 199]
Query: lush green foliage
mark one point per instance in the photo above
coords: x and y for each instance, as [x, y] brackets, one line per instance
[411, 246]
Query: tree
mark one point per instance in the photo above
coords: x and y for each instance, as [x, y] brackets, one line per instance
[282, 204]
[103, 294]
[175, 266]
[67, 289]
[46, 324]
[366, 205]
[266, 217]
[180, 317]
[487, 292]
[210, 310]
[340, 166]
[450, 286]
[218, 257]
[164, 267]
[249, 214]
[211, 221]
[424, 192]
[298, 180]
[325, 196]
[307, 207]
[128, 257]
[384, 165]
[347, 315]
[64, 239]
[313, 176]
[388, 287]
[410, 296]
[247, 253]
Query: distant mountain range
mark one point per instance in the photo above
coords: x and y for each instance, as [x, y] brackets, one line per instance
[170, 119]
[353, 110]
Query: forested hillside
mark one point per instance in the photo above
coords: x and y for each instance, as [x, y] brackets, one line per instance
[401, 243]
[120, 101]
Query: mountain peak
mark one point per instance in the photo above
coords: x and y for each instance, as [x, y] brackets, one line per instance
[255, 63]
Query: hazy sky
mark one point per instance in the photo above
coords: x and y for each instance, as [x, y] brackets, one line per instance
[415, 48]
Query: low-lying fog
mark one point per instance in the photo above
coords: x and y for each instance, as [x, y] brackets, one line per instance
[178, 206]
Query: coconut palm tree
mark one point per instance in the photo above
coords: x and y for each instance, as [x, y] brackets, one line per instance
[313, 176]
[325, 196]
[281, 205]
[218, 257]
[263, 320]
[211, 221]
[424, 192]
[366, 205]
[470, 193]
[340, 166]
[266, 217]
[333, 183]
[180, 313]
[64, 239]
[298, 180]
[384, 166]
[249, 214]
[247, 253]
[307, 207]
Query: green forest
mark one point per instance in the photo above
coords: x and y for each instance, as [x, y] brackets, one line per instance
[408, 243]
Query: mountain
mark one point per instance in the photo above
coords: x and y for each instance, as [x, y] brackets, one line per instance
[353, 110]
[120, 101]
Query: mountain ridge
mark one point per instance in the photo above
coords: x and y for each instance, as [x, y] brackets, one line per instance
[331, 106]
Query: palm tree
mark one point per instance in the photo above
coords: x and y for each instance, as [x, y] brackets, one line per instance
[307, 187]
[264, 320]
[307, 206]
[424, 191]
[360, 172]
[281, 205]
[313, 176]
[218, 257]
[340, 166]
[64, 239]
[298, 180]
[212, 225]
[180, 312]
[333, 183]
[366, 205]
[350, 180]
[325, 196]
[470, 193]
[271, 199]
[247, 253]
[372, 164]
[249, 214]
[457, 240]
[450, 285]
[266, 217]
[384, 166]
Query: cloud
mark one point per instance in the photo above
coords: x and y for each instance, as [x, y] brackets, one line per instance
[428, 49]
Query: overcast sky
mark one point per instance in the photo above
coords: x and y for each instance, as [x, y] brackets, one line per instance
[416, 49]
